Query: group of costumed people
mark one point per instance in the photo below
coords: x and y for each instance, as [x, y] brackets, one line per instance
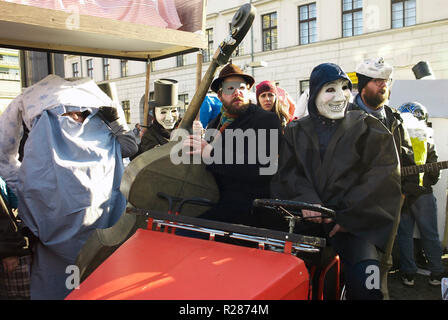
[344, 156]
[164, 107]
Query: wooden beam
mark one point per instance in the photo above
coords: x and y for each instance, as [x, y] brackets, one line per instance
[146, 100]
[31, 27]
[198, 70]
[198, 74]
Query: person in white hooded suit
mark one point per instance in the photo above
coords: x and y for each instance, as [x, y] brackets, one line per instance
[68, 182]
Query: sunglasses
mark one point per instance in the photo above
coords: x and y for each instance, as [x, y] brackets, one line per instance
[380, 82]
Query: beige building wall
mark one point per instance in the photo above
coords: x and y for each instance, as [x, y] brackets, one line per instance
[292, 63]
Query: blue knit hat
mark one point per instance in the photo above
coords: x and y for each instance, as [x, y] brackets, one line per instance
[322, 74]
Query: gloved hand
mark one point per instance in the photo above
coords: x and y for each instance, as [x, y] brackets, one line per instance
[413, 189]
[109, 113]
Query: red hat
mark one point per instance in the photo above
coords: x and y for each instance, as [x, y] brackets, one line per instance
[266, 86]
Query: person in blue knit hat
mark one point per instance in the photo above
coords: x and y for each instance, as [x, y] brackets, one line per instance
[345, 161]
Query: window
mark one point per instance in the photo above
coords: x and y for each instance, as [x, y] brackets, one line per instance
[4, 70]
[9, 60]
[183, 101]
[75, 69]
[208, 53]
[9, 74]
[238, 50]
[90, 68]
[307, 24]
[124, 68]
[106, 69]
[403, 13]
[269, 31]
[180, 60]
[304, 84]
[351, 18]
[126, 105]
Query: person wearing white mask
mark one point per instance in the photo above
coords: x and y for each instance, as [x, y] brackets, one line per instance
[345, 161]
[166, 115]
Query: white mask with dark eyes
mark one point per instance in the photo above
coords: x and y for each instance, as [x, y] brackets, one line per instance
[333, 98]
[167, 116]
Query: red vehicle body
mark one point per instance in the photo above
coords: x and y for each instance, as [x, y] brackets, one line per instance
[156, 264]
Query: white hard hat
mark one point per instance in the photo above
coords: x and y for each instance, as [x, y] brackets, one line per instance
[375, 68]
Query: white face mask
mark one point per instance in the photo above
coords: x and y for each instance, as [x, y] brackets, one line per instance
[167, 116]
[333, 98]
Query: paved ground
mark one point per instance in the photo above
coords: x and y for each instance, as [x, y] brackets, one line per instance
[421, 290]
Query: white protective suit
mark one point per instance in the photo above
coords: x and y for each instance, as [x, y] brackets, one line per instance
[68, 182]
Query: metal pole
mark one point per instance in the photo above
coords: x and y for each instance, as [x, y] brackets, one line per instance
[51, 64]
[445, 232]
[80, 70]
[252, 46]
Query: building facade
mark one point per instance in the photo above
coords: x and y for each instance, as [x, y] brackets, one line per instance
[288, 39]
[10, 85]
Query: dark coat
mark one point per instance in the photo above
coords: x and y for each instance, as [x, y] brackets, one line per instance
[240, 184]
[12, 240]
[432, 177]
[155, 135]
[358, 175]
[395, 125]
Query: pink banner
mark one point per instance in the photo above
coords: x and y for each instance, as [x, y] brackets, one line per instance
[158, 13]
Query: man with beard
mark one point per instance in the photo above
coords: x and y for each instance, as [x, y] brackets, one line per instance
[345, 161]
[374, 80]
[166, 115]
[239, 171]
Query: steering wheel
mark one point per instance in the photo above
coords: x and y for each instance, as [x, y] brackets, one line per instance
[294, 213]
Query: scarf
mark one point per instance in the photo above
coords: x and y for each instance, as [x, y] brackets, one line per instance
[226, 118]
[380, 114]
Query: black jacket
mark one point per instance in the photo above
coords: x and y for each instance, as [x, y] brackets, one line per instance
[358, 175]
[240, 184]
[403, 142]
[156, 135]
[431, 178]
[12, 239]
